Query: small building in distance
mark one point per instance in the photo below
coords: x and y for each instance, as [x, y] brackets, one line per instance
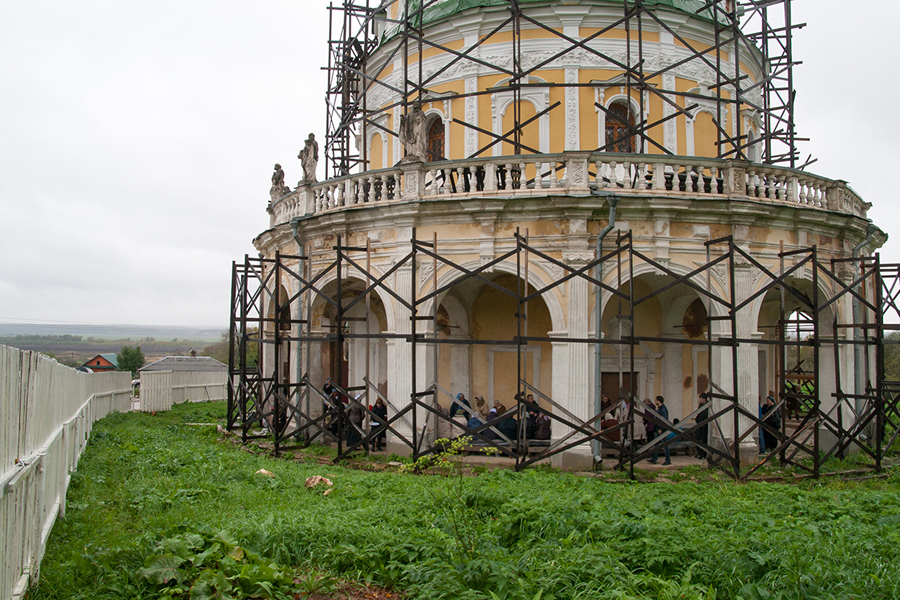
[102, 362]
[192, 364]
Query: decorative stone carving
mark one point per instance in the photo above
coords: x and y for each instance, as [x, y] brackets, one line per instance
[426, 268]
[278, 188]
[413, 134]
[309, 159]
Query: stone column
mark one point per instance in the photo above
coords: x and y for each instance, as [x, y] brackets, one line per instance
[672, 376]
[578, 365]
[748, 362]
[399, 362]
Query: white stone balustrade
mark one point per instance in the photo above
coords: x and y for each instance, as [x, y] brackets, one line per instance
[542, 174]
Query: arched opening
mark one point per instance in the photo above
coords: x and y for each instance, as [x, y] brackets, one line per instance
[674, 363]
[752, 147]
[475, 311]
[705, 136]
[529, 136]
[436, 139]
[619, 128]
[354, 360]
[376, 160]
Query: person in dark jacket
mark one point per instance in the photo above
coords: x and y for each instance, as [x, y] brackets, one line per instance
[663, 411]
[460, 407]
[702, 432]
[649, 425]
[772, 418]
[542, 426]
[379, 425]
[355, 415]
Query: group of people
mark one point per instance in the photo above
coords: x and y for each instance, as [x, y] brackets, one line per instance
[351, 428]
[503, 422]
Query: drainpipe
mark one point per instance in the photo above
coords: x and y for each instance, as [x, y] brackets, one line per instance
[860, 374]
[598, 309]
[298, 364]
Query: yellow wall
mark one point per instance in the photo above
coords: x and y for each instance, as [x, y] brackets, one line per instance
[704, 130]
[376, 160]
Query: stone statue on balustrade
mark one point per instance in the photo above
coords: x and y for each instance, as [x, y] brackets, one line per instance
[278, 188]
[414, 135]
[309, 158]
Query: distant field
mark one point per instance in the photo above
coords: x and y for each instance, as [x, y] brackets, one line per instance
[77, 350]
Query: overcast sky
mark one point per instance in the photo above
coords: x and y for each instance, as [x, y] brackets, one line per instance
[137, 141]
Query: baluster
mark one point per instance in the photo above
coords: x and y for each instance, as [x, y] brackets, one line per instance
[598, 176]
[523, 180]
[751, 183]
[398, 186]
[613, 176]
[823, 200]
[689, 185]
[554, 182]
[818, 198]
[538, 177]
[490, 177]
[714, 180]
[432, 185]
[781, 182]
[626, 183]
[803, 190]
[507, 181]
[460, 180]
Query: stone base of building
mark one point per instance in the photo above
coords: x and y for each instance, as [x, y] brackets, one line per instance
[576, 459]
[395, 446]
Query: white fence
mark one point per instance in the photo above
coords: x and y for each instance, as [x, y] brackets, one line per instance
[161, 389]
[47, 411]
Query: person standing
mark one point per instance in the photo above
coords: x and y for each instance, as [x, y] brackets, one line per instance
[772, 418]
[380, 425]
[663, 412]
[702, 432]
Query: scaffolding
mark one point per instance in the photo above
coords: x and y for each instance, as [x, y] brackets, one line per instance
[811, 343]
[757, 31]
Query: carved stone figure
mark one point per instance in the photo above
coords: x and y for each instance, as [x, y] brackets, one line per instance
[309, 158]
[413, 135]
[278, 188]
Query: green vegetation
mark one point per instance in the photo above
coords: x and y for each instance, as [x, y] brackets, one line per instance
[219, 350]
[130, 359]
[160, 508]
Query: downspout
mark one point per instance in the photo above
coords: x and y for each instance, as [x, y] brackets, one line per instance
[298, 363]
[858, 349]
[613, 201]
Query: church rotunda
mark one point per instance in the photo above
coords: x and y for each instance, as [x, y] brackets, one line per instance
[561, 201]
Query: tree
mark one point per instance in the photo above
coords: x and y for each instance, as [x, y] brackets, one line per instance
[219, 350]
[130, 359]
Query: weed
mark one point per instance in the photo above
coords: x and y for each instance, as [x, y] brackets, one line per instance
[159, 509]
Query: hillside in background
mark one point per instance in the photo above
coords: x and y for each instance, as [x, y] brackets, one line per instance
[75, 344]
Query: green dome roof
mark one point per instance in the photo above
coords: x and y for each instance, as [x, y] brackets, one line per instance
[448, 8]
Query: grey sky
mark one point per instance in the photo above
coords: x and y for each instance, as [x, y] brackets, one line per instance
[137, 140]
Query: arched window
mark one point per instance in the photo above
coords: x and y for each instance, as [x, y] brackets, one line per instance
[436, 140]
[752, 147]
[619, 124]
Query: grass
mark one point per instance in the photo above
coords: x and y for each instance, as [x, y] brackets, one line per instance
[159, 508]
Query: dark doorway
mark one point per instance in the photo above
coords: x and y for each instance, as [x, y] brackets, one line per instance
[337, 357]
[609, 384]
[436, 141]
